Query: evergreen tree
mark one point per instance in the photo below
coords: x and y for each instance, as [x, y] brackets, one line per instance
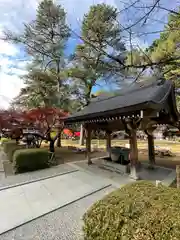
[40, 90]
[90, 63]
[167, 48]
[45, 38]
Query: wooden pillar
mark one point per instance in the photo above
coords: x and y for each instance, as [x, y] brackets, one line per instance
[151, 151]
[108, 143]
[81, 140]
[134, 155]
[88, 145]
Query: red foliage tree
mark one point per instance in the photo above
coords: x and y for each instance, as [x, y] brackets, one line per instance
[47, 119]
[11, 123]
[42, 119]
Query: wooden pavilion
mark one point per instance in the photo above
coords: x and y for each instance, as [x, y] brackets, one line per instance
[140, 106]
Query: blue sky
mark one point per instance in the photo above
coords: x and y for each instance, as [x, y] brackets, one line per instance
[13, 13]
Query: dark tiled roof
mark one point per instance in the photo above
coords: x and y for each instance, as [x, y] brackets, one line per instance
[136, 95]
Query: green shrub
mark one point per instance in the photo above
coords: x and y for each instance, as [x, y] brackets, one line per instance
[139, 211]
[25, 160]
[12, 151]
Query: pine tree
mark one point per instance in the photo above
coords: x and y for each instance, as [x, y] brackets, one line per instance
[45, 38]
[167, 47]
[90, 63]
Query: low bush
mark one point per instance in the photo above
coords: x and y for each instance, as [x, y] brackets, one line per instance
[139, 211]
[25, 160]
[12, 151]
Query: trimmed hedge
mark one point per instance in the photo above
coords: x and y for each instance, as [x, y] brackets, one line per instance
[31, 159]
[139, 211]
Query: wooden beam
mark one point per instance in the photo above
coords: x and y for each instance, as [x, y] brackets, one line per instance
[88, 145]
[151, 151]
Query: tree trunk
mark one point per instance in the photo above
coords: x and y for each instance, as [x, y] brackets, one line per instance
[51, 142]
[81, 140]
[58, 144]
[51, 146]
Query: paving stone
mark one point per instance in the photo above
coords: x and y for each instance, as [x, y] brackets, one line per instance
[116, 179]
[63, 224]
[26, 202]
[36, 175]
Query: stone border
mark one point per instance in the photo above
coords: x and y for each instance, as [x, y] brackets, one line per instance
[169, 178]
[166, 182]
[37, 180]
[114, 167]
[58, 208]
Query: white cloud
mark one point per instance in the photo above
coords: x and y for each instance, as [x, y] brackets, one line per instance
[16, 12]
[12, 16]
[7, 48]
[10, 81]
[9, 88]
[17, 71]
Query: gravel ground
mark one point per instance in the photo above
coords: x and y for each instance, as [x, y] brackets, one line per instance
[30, 176]
[63, 224]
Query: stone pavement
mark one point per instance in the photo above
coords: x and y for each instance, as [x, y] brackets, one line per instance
[23, 203]
[115, 179]
[28, 177]
[62, 224]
